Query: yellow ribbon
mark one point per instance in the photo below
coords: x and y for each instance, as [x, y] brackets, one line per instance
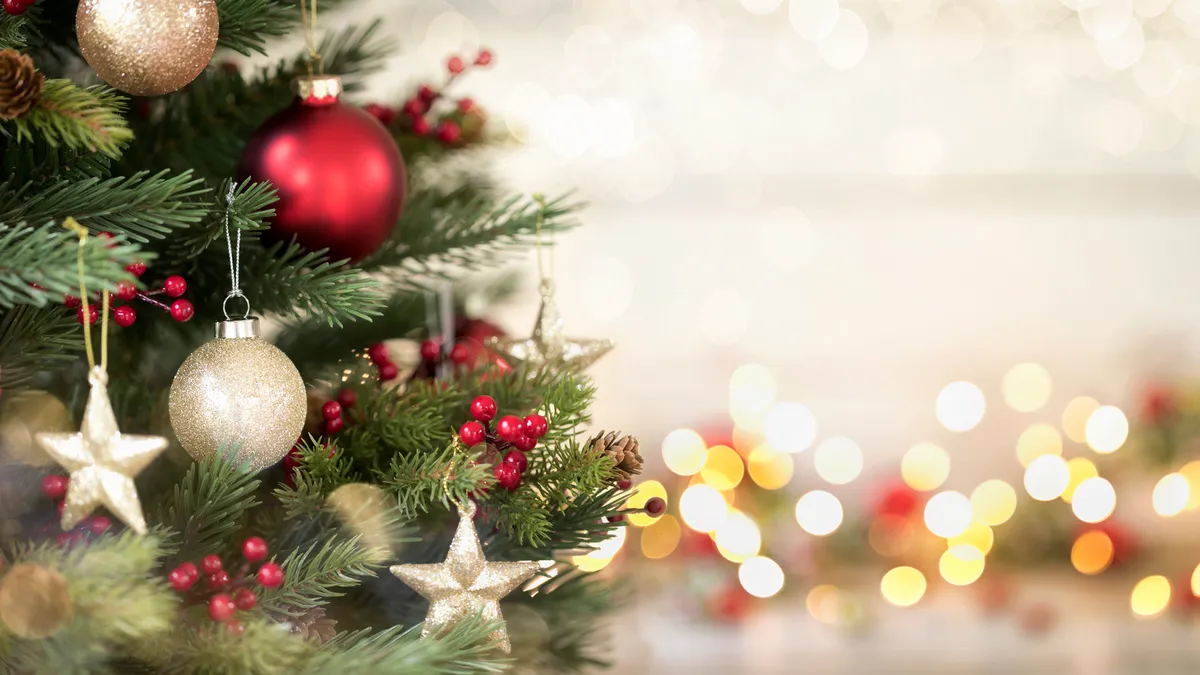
[74, 226]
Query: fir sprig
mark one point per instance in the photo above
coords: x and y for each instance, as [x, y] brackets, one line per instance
[79, 118]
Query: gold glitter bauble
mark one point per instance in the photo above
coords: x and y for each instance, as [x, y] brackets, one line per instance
[147, 47]
[238, 391]
[34, 601]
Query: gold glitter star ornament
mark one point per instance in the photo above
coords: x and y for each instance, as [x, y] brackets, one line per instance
[466, 584]
[102, 461]
[548, 349]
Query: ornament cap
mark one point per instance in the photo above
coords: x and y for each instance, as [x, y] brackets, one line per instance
[238, 328]
[318, 89]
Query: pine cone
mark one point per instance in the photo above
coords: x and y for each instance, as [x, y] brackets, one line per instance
[20, 84]
[627, 462]
[313, 625]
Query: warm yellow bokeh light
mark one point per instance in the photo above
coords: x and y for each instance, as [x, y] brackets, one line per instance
[977, 535]
[1038, 440]
[751, 395]
[684, 450]
[662, 538]
[1094, 500]
[1196, 581]
[603, 554]
[948, 514]
[1026, 387]
[738, 538]
[1092, 552]
[838, 460]
[1172, 494]
[902, 586]
[1107, 429]
[890, 536]
[961, 565]
[723, 468]
[1047, 477]
[1191, 471]
[960, 406]
[1150, 596]
[993, 502]
[1075, 417]
[925, 467]
[702, 507]
[822, 603]
[769, 468]
[642, 493]
[745, 439]
[1079, 469]
[819, 512]
[790, 427]
[761, 577]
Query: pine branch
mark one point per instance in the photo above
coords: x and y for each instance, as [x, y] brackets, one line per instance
[291, 282]
[421, 480]
[16, 30]
[574, 606]
[34, 340]
[462, 650]
[251, 206]
[79, 118]
[312, 576]
[208, 505]
[48, 257]
[246, 24]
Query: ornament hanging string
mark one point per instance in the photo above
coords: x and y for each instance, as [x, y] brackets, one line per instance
[233, 244]
[456, 448]
[545, 254]
[308, 17]
[74, 226]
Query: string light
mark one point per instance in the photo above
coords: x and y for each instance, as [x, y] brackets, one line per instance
[684, 451]
[993, 502]
[948, 514]
[738, 538]
[1094, 500]
[1092, 552]
[723, 468]
[769, 468]
[1026, 387]
[1079, 469]
[1150, 596]
[819, 512]
[1075, 417]
[1107, 429]
[751, 394]
[761, 577]
[902, 586]
[960, 406]
[961, 565]
[702, 507]
[1038, 440]
[790, 427]
[838, 460]
[1171, 495]
[925, 467]
[660, 539]
[1047, 477]
[977, 536]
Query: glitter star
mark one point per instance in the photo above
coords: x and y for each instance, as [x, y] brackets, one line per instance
[466, 584]
[102, 461]
[548, 349]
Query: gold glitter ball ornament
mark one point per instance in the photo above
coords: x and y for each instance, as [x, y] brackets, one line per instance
[34, 601]
[147, 47]
[238, 391]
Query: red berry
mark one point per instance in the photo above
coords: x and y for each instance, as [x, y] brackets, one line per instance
[125, 291]
[124, 316]
[483, 408]
[518, 458]
[15, 7]
[509, 428]
[525, 443]
[137, 269]
[182, 310]
[64, 539]
[465, 105]
[624, 484]
[72, 301]
[180, 580]
[218, 580]
[448, 132]
[347, 397]
[58, 508]
[235, 627]
[426, 93]
[431, 350]
[414, 108]
[331, 410]
[455, 65]
[483, 58]
[270, 575]
[191, 570]
[536, 426]
[385, 114]
[459, 354]
[211, 564]
[388, 371]
[421, 126]
[471, 434]
[93, 314]
[99, 525]
[378, 353]
[245, 599]
[333, 426]
[507, 475]
[616, 518]
[175, 286]
[221, 607]
[55, 487]
[656, 505]
[254, 549]
[108, 236]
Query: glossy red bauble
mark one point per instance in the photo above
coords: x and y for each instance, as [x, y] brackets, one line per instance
[471, 434]
[507, 475]
[221, 607]
[509, 428]
[175, 286]
[536, 426]
[517, 458]
[124, 316]
[340, 178]
[180, 579]
[55, 487]
[483, 408]
[254, 549]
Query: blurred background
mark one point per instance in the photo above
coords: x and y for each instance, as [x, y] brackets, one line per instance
[903, 292]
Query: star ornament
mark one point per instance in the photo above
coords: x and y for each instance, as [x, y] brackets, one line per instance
[102, 461]
[466, 584]
[548, 349]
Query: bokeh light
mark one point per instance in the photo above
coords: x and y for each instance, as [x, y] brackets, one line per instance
[738, 538]
[751, 394]
[642, 493]
[1038, 440]
[902, 586]
[790, 427]
[702, 507]
[838, 460]
[1075, 417]
[977, 536]
[1079, 469]
[960, 406]
[761, 577]
[1107, 429]
[1196, 581]
[769, 468]
[684, 451]
[961, 565]
[1171, 495]
[819, 512]
[723, 468]
[1047, 477]
[1026, 387]
[925, 467]
[993, 502]
[602, 555]
[823, 603]
[1092, 552]
[948, 514]
[1150, 596]
[1094, 500]
[890, 535]
[1191, 471]
[662, 538]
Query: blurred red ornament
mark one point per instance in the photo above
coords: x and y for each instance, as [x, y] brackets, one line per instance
[245, 599]
[73, 301]
[99, 525]
[333, 426]
[331, 410]
[426, 93]
[698, 544]
[731, 603]
[270, 575]
[414, 108]
[1158, 404]
[897, 500]
[459, 354]
[235, 627]
[378, 354]
[995, 594]
[473, 334]
[211, 564]
[254, 549]
[221, 607]
[340, 178]
[431, 350]
[465, 104]
[55, 487]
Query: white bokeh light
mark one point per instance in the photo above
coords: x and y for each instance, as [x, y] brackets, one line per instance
[960, 406]
[819, 513]
[790, 427]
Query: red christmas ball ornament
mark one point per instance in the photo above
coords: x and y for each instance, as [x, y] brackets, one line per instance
[125, 291]
[270, 575]
[245, 599]
[525, 443]
[221, 607]
[124, 316]
[340, 178]
[378, 353]
[55, 487]
[471, 434]
[508, 428]
[175, 286]
[331, 410]
[388, 371]
[182, 310]
[483, 408]
[465, 105]
[536, 425]
[507, 475]
[431, 350]
[731, 603]
[254, 549]
[426, 93]
[347, 398]
[211, 564]
[414, 108]
[517, 458]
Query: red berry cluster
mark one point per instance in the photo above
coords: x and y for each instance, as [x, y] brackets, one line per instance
[416, 111]
[124, 315]
[378, 353]
[16, 7]
[228, 594]
[512, 433]
[55, 487]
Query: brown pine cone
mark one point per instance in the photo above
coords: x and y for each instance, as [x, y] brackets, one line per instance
[627, 462]
[20, 84]
[314, 625]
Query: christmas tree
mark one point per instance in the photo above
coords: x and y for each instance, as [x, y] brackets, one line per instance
[308, 527]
